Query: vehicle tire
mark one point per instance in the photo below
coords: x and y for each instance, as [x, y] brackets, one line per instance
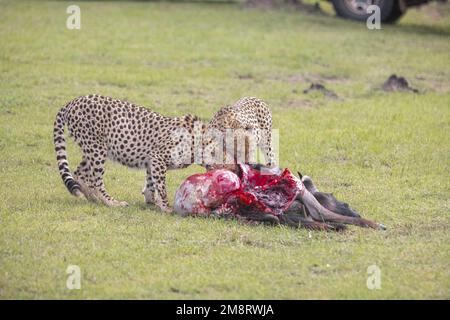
[356, 10]
[397, 11]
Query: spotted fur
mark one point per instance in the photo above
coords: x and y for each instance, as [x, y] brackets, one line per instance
[129, 134]
[250, 115]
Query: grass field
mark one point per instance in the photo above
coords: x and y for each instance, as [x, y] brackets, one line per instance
[387, 154]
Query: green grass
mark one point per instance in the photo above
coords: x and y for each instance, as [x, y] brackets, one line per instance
[386, 154]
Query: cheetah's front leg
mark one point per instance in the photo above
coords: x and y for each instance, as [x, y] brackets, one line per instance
[155, 191]
[266, 146]
[149, 190]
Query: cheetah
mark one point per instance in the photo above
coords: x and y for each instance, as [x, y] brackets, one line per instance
[107, 128]
[132, 135]
[248, 118]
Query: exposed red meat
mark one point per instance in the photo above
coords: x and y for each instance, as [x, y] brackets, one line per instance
[250, 191]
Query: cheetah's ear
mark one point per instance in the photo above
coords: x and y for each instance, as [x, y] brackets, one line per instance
[188, 117]
[192, 118]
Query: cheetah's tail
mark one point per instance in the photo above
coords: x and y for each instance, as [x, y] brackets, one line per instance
[61, 154]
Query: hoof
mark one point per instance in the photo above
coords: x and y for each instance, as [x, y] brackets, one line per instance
[382, 226]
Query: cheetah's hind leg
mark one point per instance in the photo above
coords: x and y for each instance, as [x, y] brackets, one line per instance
[83, 176]
[99, 190]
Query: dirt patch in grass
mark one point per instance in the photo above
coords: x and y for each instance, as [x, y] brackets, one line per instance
[317, 87]
[395, 83]
[245, 76]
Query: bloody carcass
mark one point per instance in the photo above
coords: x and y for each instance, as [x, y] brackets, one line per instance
[271, 195]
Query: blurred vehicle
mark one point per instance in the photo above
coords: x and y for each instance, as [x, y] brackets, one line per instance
[390, 10]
